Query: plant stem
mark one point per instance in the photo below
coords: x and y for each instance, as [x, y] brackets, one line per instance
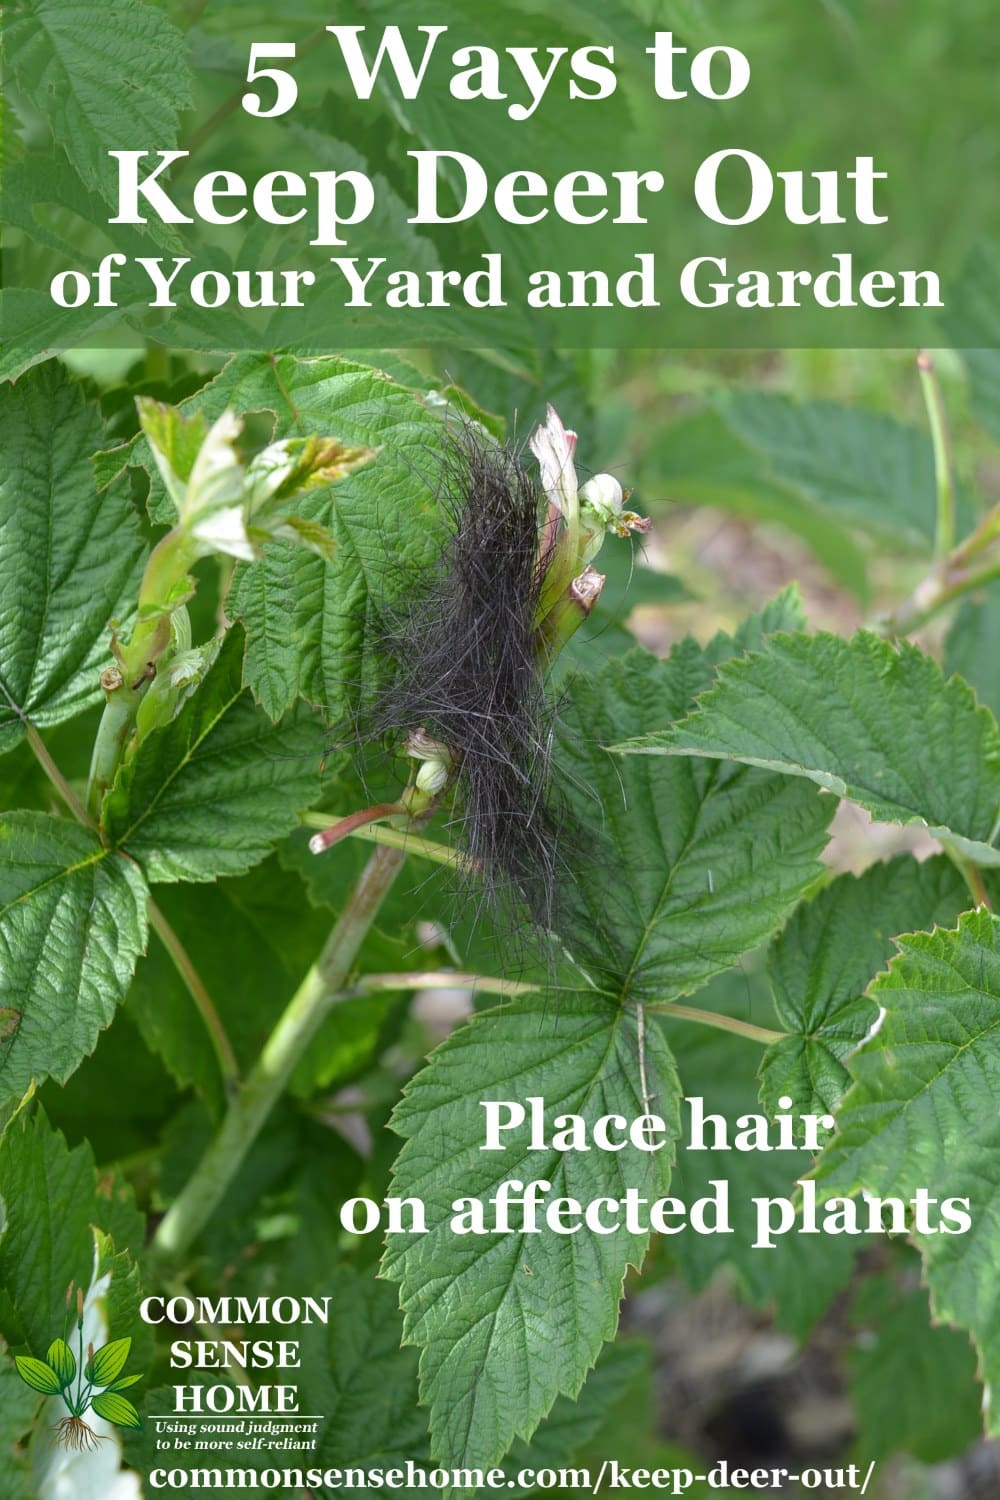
[125, 686]
[256, 1097]
[970, 873]
[944, 473]
[38, 748]
[438, 979]
[195, 986]
[935, 593]
[395, 838]
[175, 948]
[720, 1022]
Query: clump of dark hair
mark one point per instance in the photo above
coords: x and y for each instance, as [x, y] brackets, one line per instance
[465, 666]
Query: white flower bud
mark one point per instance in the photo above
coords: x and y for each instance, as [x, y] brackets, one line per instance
[604, 496]
[433, 777]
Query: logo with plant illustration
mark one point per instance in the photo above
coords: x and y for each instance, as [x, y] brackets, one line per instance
[91, 1384]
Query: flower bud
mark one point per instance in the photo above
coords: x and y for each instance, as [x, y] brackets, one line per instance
[604, 496]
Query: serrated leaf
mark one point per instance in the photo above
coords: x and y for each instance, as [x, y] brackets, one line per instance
[110, 1361]
[797, 1279]
[307, 620]
[103, 79]
[356, 1374]
[821, 964]
[972, 645]
[18, 1409]
[36, 1373]
[871, 471]
[116, 1409]
[869, 721]
[913, 1383]
[72, 925]
[508, 1323]
[211, 792]
[691, 865]
[56, 1216]
[921, 1115]
[69, 558]
[61, 1358]
[702, 461]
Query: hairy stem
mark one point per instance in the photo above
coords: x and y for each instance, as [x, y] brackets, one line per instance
[719, 1021]
[256, 1097]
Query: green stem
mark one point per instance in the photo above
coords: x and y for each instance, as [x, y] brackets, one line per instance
[944, 472]
[38, 748]
[195, 986]
[318, 993]
[719, 1022]
[970, 873]
[936, 593]
[438, 979]
[109, 744]
[125, 685]
[168, 937]
[393, 838]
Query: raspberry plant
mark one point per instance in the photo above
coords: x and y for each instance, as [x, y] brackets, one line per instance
[193, 1004]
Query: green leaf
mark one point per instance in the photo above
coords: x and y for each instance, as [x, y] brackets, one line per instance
[18, 1409]
[356, 1374]
[508, 1323]
[702, 461]
[116, 1409]
[61, 1358]
[103, 78]
[211, 792]
[913, 1384]
[972, 646]
[110, 1361]
[822, 963]
[799, 1278]
[870, 721]
[973, 324]
[692, 865]
[307, 621]
[273, 935]
[123, 1383]
[57, 1216]
[37, 1374]
[572, 1423]
[921, 1115]
[72, 924]
[870, 471]
[673, 891]
[69, 557]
